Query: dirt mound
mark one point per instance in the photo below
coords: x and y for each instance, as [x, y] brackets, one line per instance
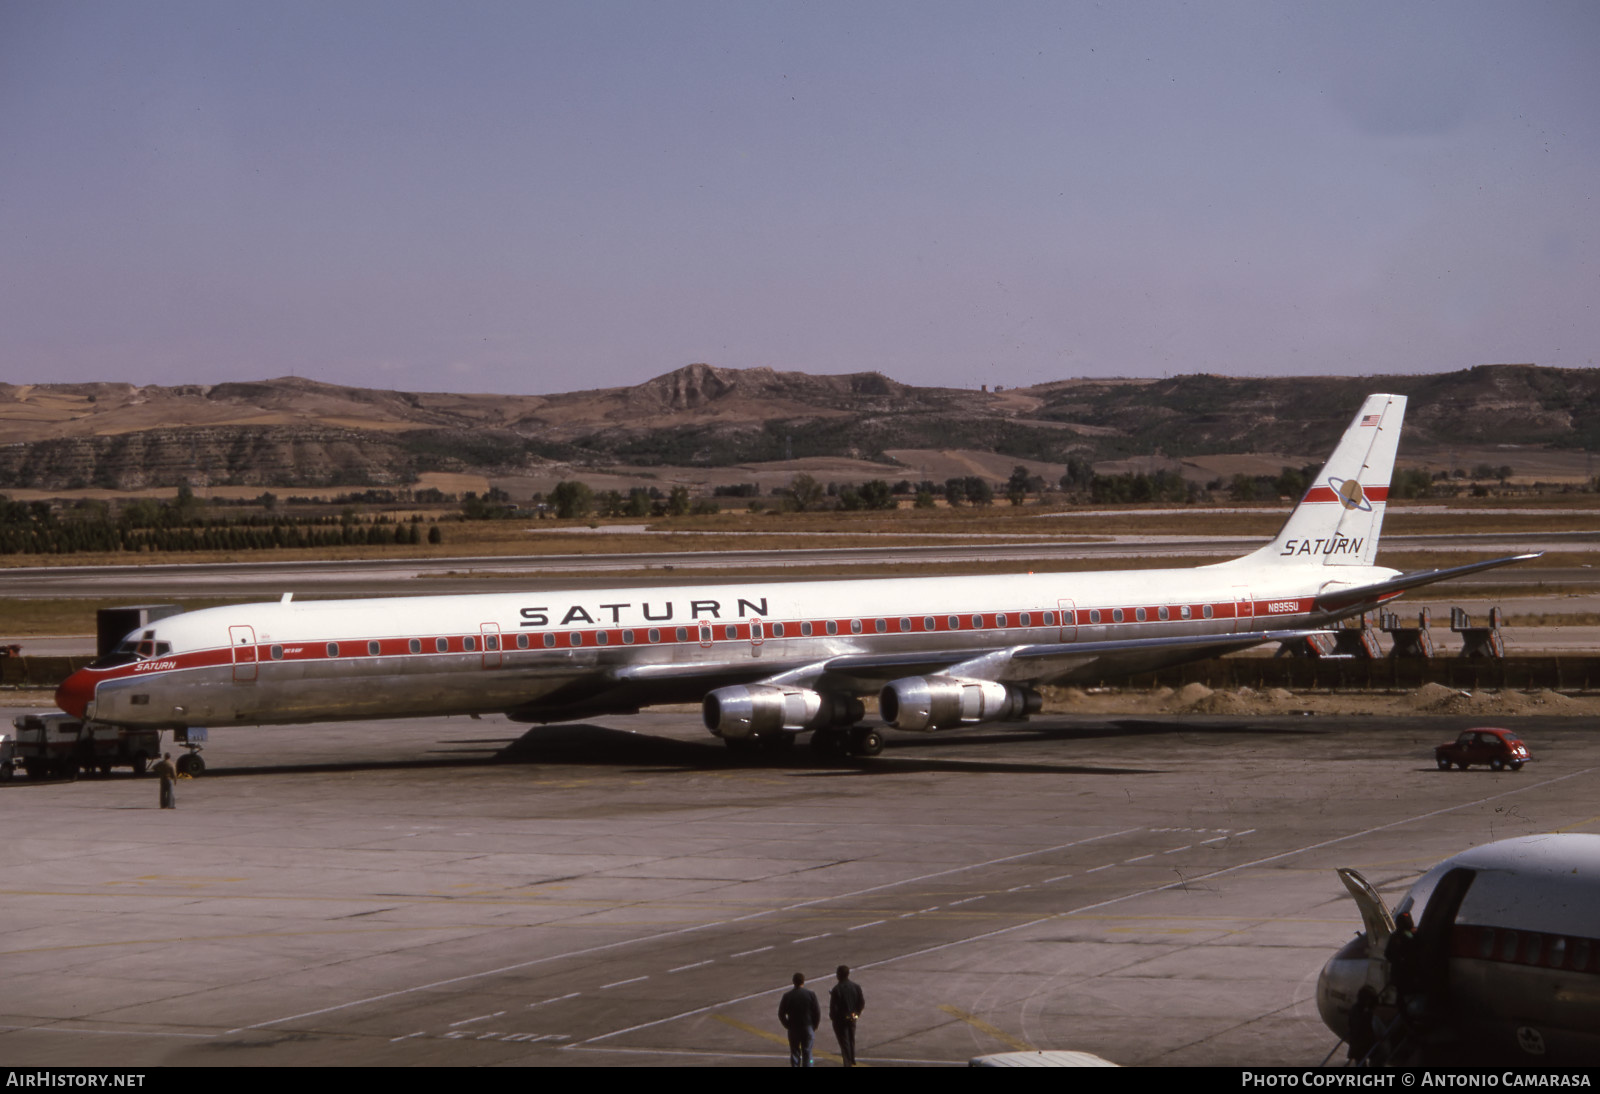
[1438, 699]
[1190, 694]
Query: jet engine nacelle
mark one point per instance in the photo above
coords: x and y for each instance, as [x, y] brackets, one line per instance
[942, 702]
[738, 712]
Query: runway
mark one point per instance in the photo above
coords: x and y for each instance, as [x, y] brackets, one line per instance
[1157, 891]
[511, 573]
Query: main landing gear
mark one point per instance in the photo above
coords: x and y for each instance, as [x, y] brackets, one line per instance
[838, 744]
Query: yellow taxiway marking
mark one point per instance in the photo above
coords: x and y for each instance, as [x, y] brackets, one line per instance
[768, 1035]
[979, 1024]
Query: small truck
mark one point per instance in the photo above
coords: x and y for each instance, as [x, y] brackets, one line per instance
[60, 745]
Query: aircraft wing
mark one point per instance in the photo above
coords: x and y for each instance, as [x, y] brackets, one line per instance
[1340, 599]
[1039, 662]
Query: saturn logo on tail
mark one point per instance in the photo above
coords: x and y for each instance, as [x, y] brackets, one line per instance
[1351, 496]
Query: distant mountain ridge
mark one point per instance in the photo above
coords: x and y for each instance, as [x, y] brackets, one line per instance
[298, 432]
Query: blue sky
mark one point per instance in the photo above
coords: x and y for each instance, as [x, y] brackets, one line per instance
[539, 197]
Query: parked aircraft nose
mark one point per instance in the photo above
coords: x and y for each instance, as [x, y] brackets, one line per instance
[76, 693]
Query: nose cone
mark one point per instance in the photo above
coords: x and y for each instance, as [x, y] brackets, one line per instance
[1343, 977]
[76, 693]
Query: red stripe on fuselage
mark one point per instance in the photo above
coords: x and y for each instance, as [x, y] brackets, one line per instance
[1285, 609]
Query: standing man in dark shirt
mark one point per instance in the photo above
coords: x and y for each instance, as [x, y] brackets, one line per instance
[846, 1001]
[800, 1014]
[168, 773]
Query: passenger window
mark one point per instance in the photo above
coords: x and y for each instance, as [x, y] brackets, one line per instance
[372, 649]
[441, 645]
[333, 649]
[415, 645]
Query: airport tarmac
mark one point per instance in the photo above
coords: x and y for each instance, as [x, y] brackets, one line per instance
[1159, 891]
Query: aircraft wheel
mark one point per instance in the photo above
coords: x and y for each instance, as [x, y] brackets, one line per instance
[866, 741]
[1444, 764]
[191, 765]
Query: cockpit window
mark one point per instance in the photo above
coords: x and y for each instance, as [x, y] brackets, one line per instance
[139, 649]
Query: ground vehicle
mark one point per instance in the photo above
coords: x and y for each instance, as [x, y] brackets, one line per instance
[1498, 748]
[59, 745]
[7, 764]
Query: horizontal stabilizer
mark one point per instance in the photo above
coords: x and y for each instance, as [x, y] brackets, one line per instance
[1339, 599]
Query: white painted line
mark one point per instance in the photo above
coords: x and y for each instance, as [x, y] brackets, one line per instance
[1246, 832]
[1139, 858]
[658, 936]
[696, 965]
[479, 1018]
[1214, 839]
[1018, 888]
[864, 926]
[1063, 877]
[968, 900]
[408, 1036]
[725, 1003]
[935, 908]
[1097, 869]
[813, 937]
[1175, 850]
[619, 983]
[760, 949]
[556, 999]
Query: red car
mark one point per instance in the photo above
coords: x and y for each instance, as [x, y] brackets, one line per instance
[1499, 748]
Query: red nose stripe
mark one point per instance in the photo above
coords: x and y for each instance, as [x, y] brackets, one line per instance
[75, 693]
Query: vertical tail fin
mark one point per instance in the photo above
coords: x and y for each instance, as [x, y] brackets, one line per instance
[1339, 520]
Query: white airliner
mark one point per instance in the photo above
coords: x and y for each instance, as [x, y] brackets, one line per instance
[1505, 966]
[766, 660]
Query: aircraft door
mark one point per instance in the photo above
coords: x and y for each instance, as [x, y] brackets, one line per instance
[1069, 621]
[1244, 610]
[705, 634]
[758, 635]
[491, 644]
[243, 641]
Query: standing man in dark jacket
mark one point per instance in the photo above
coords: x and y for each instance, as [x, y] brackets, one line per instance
[846, 1001]
[168, 773]
[800, 1014]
